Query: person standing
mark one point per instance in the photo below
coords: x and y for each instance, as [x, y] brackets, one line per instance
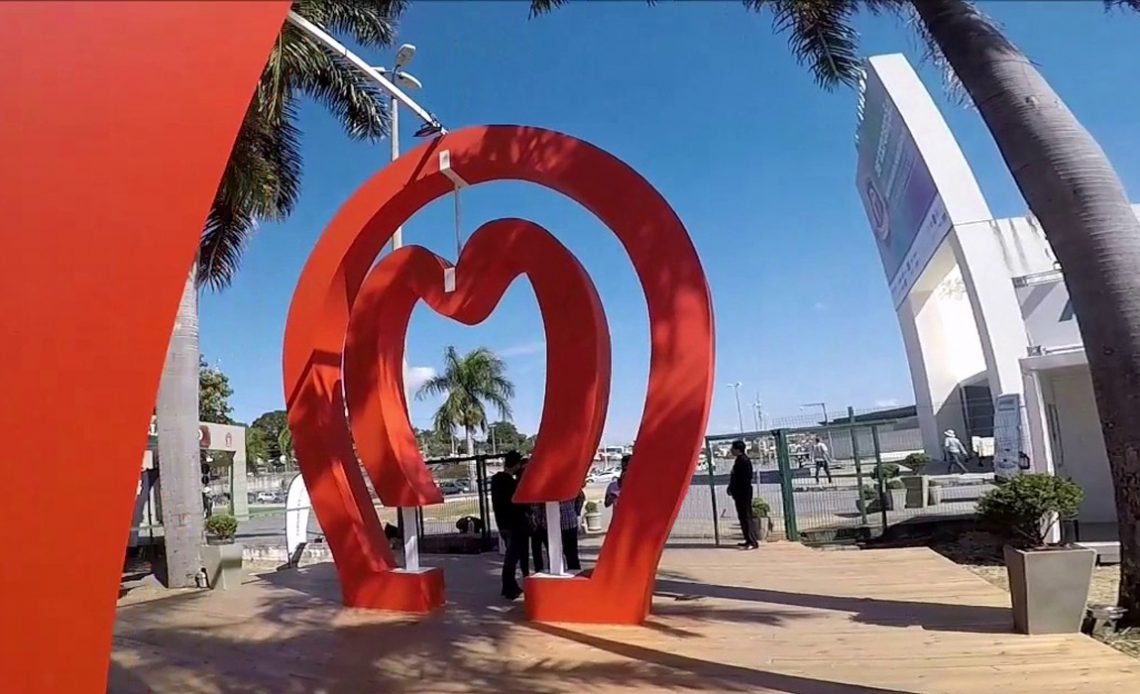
[822, 458]
[740, 489]
[953, 451]
[512, 521]
[568, 515]
[613, 489]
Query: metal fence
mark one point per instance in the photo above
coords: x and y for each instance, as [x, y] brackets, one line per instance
[873, 480]
[874, 476]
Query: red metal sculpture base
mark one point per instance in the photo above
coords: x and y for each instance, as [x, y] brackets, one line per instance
[398, 590]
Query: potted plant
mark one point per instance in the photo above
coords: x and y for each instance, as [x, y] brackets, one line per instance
[885, 470]
[761, 518]
[868, 501]
[593, 517]
[1048, 584]
[896, 495]
[935, 493]
[221, 554]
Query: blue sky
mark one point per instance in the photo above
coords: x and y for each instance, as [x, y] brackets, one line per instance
[757, 161]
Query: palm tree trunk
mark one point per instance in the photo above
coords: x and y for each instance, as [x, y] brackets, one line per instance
[1075, 193]
[180, 488]
[472, 474]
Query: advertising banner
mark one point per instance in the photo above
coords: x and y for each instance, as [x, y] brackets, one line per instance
[906, 213]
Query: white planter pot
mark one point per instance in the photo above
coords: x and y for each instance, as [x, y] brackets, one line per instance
[1048, 588]
[223, 565]
[594, 522]
[935, 495]
[896, 499]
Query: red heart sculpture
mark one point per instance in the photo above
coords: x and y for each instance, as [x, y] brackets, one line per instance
[577, 347]
[680, 370]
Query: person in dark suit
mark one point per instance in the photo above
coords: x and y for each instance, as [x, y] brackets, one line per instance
[512, 521]
[740, 489]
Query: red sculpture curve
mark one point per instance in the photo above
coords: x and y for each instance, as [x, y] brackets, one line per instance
[680, 379]
[577, 340]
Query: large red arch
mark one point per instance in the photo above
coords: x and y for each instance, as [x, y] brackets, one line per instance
[680, 379]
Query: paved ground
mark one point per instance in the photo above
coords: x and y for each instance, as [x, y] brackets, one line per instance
[783, 619]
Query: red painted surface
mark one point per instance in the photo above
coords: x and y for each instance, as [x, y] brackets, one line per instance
[118, 120]
[680, 380]
[577, 340]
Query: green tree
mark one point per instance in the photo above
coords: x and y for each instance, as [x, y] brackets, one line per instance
[270, 428]
[504, 435]
[256, 448]
[467, 383]
[214, 393]
[261, 182]
[435, 444]
[1065, 177]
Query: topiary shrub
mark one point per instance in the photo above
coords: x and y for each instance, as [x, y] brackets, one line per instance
[591, 507]
[760, 508]
[887, 470]
[917, 462]
[1023, 510]
[895, 484]
[222, 527]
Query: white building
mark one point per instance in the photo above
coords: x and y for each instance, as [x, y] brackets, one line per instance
[984, 312]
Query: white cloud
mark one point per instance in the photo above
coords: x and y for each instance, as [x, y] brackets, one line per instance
[819, 306]
[887, 402]
[416, 376]
[524, 349]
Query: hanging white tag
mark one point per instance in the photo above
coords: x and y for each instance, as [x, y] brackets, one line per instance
[446, 170]
[449, 280]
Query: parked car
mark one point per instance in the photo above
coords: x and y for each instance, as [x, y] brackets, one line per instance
[449, 487]
[265, 498]
[603, 476]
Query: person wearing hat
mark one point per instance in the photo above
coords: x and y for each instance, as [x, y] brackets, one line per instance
[953, 451]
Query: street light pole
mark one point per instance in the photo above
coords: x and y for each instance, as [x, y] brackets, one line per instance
[394, 138]
[739, 413]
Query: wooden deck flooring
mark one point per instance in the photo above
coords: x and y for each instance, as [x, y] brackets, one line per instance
[784, 619]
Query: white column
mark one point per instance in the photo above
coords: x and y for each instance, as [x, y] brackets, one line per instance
[411, 539]
[554, 535]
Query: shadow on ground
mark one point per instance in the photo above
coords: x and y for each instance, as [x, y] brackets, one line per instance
[286, 632]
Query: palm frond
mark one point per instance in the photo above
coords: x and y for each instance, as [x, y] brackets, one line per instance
[541, 7]
[353, 99]
[371, 22]
[261, 181]
[262, 178]
[820, 36]
[932, 54]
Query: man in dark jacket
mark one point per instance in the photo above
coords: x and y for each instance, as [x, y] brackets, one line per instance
[512, 522]
[740, 489]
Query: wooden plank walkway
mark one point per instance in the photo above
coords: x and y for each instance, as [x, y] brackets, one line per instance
[783, 619]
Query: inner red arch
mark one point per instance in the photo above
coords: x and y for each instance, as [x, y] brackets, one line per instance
[577, 354]
[680, 377]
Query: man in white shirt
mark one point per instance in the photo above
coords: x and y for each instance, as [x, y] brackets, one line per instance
[822, 458]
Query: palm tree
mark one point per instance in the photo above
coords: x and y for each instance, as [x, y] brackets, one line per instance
[468, 382]
[261, 182]
[1065, 177]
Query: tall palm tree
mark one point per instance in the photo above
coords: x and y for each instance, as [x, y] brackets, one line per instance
[468, 382]
[1065, 177]
[261, 182]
